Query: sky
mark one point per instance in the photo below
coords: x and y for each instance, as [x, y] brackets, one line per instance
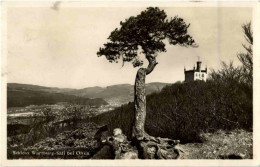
[57, 48]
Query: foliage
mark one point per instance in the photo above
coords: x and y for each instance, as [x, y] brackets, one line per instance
[146, 30]
[228, 73]
[184, 110]
[247, 58]
[191, 108]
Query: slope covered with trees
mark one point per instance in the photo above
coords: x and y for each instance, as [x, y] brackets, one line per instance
[184, 110]
[21, 98]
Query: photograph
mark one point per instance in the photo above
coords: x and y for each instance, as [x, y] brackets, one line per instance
[128, 81]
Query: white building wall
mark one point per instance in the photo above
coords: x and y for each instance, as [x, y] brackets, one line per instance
[200, 76]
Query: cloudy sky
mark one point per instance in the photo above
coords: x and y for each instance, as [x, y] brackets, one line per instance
[58, 47]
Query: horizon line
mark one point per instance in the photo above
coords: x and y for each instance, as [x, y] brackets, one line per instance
[85, 87]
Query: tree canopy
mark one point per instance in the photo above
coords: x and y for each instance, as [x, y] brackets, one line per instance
[147, 31]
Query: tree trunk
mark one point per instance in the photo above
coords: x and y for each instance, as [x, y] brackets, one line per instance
[140, 99]
[149, 147]
[140, 104]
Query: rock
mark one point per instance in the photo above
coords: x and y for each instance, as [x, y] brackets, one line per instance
[130, 155]
[117, 132]
[150, 148]
[102, 133]
[105, 152]
[160, 150]
[232, 156]
[121, 147]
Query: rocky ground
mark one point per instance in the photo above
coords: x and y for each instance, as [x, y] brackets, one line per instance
[74, 144]
[82, 144]
[234, 144]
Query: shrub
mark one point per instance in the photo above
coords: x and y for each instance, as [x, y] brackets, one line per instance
[184, 110]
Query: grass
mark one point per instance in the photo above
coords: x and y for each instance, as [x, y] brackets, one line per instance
[220, 144]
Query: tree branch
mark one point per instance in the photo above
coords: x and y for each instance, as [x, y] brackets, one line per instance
[152, 64]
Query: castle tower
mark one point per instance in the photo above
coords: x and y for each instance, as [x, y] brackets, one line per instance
[196, 73]
[198, 65]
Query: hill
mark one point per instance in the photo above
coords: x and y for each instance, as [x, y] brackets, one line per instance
[18, 86]
[185, 110]
[20, 95]
[115, 95]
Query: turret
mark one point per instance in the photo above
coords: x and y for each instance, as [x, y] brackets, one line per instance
[198, 65]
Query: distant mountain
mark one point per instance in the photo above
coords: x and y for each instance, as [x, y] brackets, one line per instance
[116, 95]
[20, 95]
[18, 86]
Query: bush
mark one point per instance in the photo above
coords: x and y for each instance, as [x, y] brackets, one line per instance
[184, 110]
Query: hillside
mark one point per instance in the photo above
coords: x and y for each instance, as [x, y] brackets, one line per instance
[115, 95]
[19, 96]
[184, 110]
[18, 86]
